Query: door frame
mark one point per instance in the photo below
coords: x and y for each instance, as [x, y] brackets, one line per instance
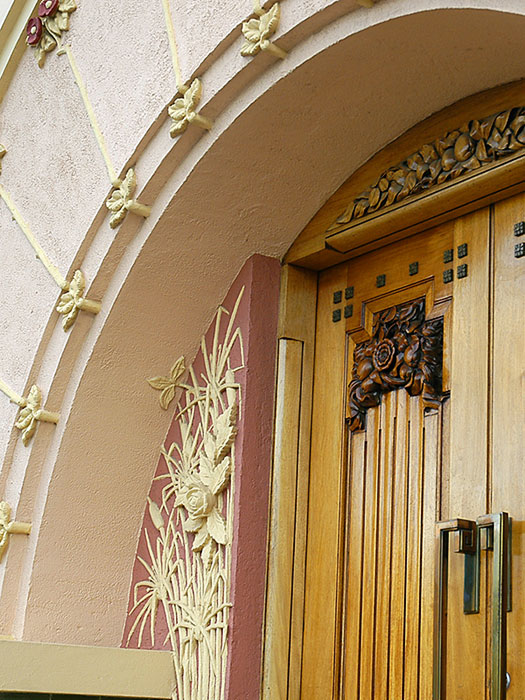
[315, 250]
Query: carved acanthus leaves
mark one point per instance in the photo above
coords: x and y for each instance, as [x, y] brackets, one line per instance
[405, 351]
[168, 385]
[72, 301]
[198, 490]
[474, 145]
[3, 151]
[184, 110]
[9, 527]
[257, 31]
[121, 200]
[32, 412]
[45, 31]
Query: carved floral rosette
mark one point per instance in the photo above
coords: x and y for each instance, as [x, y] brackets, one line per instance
[474, 145]
[183, 599]
[405, 351]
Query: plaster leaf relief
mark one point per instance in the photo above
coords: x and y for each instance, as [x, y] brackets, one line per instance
[405, 351]
[3, 151]
[121, 201]
[168, 385]
[184, 110]
[33, 412]
[72, 301]
[474, 145]
[9, 527]
[257, 32]
[44, 31]
[188, 561]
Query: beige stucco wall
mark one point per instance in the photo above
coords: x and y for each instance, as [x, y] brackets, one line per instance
[286, 135]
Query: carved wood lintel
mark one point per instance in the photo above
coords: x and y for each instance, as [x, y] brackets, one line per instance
[473, 146]
[405, 351]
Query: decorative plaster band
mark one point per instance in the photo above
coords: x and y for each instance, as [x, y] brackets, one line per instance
[189, 545]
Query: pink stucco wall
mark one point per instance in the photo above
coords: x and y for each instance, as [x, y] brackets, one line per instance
[257, 320]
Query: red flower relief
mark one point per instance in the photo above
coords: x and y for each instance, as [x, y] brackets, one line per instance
[34, 31]
[47, 8]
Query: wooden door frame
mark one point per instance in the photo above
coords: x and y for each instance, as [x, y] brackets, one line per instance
[314, 251]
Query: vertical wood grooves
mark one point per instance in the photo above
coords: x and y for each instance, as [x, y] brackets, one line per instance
[392, 541]
[394, 496]
[420, 552]
[405, 610]
[376, 529]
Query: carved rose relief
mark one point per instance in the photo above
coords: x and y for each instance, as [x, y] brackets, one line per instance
[404, 351]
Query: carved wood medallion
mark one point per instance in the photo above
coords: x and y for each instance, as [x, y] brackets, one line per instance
[405, 351]
[472, 146]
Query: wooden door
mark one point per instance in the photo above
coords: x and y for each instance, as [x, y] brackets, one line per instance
[418, 418]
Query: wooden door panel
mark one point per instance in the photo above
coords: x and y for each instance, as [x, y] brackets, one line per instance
[508, 417]
[468, 446]
[378, 487]
[326, 489]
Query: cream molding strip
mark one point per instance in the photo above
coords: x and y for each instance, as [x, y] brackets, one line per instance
[257, 32]
[121, 200]
[72, 301]
[9, 527]
[183, 111]
[31, 410]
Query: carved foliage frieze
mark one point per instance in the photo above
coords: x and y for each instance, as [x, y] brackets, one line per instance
[474, 145]
[405, 351]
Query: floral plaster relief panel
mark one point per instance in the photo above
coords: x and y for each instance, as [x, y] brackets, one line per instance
[198, 581]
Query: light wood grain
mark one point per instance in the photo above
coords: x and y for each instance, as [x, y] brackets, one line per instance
[354, 565]
[287, 532]
[413, 575]
[508, 418]
[399, 549]
[323, 563]
[468, 445]
[384, 545]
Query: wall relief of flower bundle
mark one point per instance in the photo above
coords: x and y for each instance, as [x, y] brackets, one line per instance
[477, 143]
[44, 31]
[405, 351]
[187, 561]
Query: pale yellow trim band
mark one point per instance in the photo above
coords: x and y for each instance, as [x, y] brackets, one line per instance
[32, 667]
[12, 395]
[52, 269]
[181, 87]
[91, 114]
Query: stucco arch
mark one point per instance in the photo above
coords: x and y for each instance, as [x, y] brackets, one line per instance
[281, 145]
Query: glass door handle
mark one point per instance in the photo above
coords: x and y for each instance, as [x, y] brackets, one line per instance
[489, 532]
